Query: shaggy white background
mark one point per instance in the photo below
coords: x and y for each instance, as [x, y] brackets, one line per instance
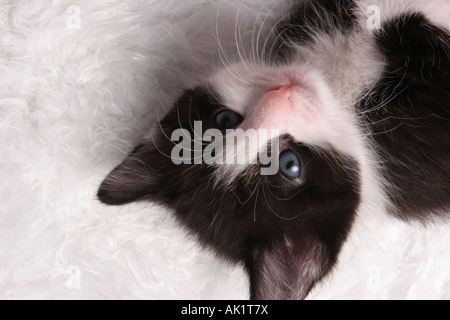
[80, 83]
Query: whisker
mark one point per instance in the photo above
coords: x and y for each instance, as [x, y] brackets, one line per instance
[277, 215]
[251, 195]
[292, 196]
[269, 34]
[391, 98]
[238, 37]
[254, 208]
[254, 48]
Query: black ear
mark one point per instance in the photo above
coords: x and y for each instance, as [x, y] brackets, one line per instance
[132, 180]
[288, 271]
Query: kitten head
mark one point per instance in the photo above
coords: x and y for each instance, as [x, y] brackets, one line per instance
[287, 227]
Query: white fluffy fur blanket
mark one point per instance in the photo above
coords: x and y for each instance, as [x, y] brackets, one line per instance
[80, 83]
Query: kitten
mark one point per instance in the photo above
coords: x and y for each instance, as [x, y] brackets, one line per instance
[363, 121]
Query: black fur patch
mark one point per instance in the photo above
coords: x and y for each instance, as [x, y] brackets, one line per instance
[409, 115]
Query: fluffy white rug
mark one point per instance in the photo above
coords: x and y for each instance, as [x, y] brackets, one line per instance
[80, 83]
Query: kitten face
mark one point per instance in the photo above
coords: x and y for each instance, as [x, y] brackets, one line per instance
[287, 230]
[291, 98]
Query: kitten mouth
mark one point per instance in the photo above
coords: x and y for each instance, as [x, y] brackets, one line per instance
[280, 104]
[282, 88]
[277, 100]
[282, 92]
[273, 109]
[284, 97]
[293, 86]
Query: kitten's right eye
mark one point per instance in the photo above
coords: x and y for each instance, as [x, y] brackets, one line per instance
[227, 120]
[290, 164]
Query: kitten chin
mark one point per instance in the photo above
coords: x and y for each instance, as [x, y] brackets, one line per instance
[348, 140]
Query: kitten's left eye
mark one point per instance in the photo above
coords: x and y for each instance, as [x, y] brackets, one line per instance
[290, 165]
[227, 120]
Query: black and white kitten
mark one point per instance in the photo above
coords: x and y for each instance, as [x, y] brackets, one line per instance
[363, 120]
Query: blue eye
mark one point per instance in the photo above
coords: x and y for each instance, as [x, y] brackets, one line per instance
[227, 120]
[290, 165]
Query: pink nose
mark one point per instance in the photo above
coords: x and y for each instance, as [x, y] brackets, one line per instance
[272, 111]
